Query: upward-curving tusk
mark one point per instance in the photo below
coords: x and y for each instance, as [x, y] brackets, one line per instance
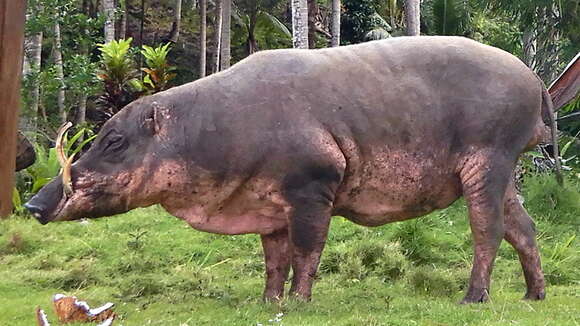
[65, 162]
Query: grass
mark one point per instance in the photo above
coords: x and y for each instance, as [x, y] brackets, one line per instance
[161, 272]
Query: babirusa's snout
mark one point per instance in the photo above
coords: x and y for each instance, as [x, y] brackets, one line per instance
[44, 206]
[39, 212]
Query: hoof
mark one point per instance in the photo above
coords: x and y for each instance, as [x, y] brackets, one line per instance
[300, 297]
[535, 295]
[476, 296]
[271, 299]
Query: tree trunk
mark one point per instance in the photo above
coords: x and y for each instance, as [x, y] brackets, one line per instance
[300, 24]
[251, 42]
[202, 37]
[312, 10]
[12, 17]
[82, 109]
[217, 36]
[141, 30]
[59, 71]
[176, 22]
[392, 12]
[123, 29]
[34, 49]
[548, 45]
[109, 11]
[81, 112]
[335, 29]
[413, 17]
[26, 68]
[226, 33]
[529, 44]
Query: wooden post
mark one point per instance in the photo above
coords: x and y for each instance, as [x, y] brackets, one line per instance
[12, 14]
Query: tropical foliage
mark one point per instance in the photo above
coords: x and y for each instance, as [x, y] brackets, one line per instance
[118, 74]
[121, 80]
[158, 73]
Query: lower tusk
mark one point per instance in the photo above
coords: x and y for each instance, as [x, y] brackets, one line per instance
[66, 177]
[60, 139]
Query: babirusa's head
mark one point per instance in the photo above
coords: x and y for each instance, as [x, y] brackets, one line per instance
[130, 164]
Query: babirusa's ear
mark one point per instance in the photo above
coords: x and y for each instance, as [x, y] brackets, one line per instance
[152, 118]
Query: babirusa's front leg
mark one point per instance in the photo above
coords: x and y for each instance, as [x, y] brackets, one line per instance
[278, 257]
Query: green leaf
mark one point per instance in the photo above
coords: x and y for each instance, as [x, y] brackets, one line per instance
[83, 144]
[16, 200]
[147, 81]
[72, 141]
[568, 144]
[39, 183]
[271, 23]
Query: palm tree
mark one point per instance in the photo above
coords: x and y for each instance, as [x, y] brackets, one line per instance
[226, 34]
[217, 36]
[142, 26]
[33, 56]
[394, 12]
[312, 11]
[412, 15]
[335, 24]
[124, 13]
[300, 24]
[34, 50]
[81, 112]
[544, 24]
[174, 36]
[59, 70]
[202, 37]
[260, 27]
[448, 17]
[109, 11]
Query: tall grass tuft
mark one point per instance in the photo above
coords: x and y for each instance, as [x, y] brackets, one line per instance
[546, 198]
[432, 281]
[357, 260]
[417, 241]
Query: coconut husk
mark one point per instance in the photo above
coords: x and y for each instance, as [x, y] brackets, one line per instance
[70, 309]
[41, 317]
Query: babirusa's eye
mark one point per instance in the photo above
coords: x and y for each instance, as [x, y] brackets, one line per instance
[114, 143]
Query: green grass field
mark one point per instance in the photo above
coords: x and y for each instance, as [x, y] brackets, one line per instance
[161, 272]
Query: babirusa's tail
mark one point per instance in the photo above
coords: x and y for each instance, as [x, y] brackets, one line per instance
[548, 111]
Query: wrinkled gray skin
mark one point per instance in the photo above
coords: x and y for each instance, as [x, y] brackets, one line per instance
[378, 132]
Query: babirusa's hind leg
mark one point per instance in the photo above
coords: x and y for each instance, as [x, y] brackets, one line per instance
[520, 233]
[484, 180]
